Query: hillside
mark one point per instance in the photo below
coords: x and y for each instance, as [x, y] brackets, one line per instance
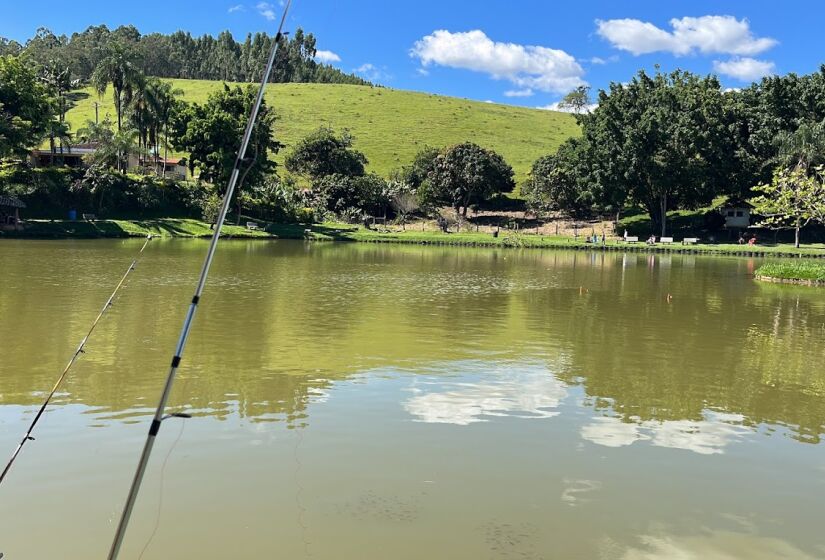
[389, 126]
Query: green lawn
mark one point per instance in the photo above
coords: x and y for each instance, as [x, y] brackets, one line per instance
[389, 126]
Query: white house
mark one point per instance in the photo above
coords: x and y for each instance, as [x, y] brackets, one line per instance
[737, 214]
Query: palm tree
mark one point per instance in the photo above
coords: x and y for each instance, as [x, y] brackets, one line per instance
[58, 132]
[96, 132]
[58, 82]
[118, 69]
[115, 151]
[142, 110]
[165, 103]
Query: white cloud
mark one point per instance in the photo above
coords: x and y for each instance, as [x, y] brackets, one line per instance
[236, 8]
[526, 66]
[519, 93]
[707, 34]
[599, 61]
[556, 107]
[373, 73]
[267, 10]
[423, 72]
[744, 69]
[327, 56]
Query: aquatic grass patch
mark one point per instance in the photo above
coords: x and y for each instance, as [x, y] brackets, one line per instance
[802, 272]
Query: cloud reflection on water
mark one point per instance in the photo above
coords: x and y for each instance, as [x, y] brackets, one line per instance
[708, 436]
[530, 391]
[715, 545]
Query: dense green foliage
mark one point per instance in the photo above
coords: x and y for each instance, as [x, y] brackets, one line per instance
[25, 111]
[678, 141]
[324, 153]
[806, 271]
[180, 55]
[211, 134]
[559, 181]
[465, 174]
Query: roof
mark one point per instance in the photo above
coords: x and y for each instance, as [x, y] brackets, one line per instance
[68, 151]
[11, 201]
[737, 203]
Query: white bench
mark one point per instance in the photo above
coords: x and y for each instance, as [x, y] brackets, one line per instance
[631, 239]
[690, 241]
[89, 217]
[252, 226]
[665, 240]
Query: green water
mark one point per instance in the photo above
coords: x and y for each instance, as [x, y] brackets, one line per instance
[361, 402]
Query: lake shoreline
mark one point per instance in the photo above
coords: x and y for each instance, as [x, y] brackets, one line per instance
[196, 229]
[794, 281]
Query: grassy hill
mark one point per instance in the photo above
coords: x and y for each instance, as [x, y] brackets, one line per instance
[389, 126]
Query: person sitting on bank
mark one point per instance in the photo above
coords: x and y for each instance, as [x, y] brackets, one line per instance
[651, 240]
[741, 239]
[752, 241]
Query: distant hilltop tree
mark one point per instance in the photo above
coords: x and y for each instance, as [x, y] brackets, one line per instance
[180, 55]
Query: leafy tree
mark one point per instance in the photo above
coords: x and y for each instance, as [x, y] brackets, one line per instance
[467, 173]
[793, 199]
[324, 153]
[211, 133]
[418, 172]
[561, 182]
[342, 194]
[662, 142]
[58, 82]
[25, 111]
[119, 69]
[577, 101]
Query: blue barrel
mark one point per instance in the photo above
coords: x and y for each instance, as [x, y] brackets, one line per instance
[72, 215]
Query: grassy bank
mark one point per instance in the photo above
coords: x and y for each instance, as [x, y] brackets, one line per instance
[189, 228]
[390, 126]
[793, 272]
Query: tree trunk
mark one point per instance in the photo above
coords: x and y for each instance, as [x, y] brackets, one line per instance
[118, 109]
[165, 151]
[796, 234]
[663, 210]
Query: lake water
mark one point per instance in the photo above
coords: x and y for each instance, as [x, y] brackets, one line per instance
[366, 402]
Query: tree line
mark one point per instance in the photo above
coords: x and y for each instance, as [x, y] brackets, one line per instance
[679, 140]
[180, 55]
[661, 143]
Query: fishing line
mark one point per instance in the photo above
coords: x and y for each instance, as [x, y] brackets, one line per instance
[299, 490]
[80, 350]
[160, 491]
[193, 306]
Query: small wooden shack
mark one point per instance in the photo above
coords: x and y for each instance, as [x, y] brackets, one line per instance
[10, 213]
[737, 214]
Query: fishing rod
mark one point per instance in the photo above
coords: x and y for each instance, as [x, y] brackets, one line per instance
[193, 306]
[80, 350]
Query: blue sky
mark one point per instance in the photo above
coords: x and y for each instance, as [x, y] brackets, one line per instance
[519, 52]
